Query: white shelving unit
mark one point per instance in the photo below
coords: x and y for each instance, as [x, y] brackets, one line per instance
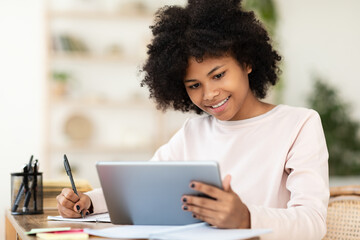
[101, 113]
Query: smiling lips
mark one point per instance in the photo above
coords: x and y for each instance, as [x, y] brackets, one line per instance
[220, 103]
[220, 106]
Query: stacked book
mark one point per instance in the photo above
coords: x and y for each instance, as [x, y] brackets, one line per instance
[68, 43]
[52, 188]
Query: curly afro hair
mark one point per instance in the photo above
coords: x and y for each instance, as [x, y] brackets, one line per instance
[205, 28]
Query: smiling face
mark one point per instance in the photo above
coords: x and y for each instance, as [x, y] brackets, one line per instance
[220, 87]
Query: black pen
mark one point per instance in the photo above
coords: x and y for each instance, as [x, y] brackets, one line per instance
[68, 172]
[20, 192]
[27, 189]
[27, 201]
[34, 185]
[18, 198]
[24, 185]
[27, 170]
[30, 162]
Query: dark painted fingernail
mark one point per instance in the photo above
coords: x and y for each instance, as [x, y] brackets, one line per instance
[78, 207]
[192, 185]
[184, 200]
[87, 213]
[194, 216]
[185, 208]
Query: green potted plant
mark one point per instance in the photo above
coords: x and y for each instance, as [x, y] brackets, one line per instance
[341, 131]
[60, 80]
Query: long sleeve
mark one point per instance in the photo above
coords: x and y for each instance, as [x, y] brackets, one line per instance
[292, 223]
[98, 200]
[307, 181]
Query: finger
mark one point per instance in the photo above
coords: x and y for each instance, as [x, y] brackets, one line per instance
[87, 212]
[70, 195]
[200, 211]
[83, 203]
[67, 213]
[77, 208]
[226, 183]
[207, 219]
[200, 201]
[211, 191]
[212, 221]
[84, 212]
[64, 202]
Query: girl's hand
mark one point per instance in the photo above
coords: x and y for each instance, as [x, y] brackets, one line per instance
[71, 205]
[226, 210]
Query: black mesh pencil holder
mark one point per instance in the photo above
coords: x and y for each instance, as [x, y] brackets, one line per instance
[26, 193]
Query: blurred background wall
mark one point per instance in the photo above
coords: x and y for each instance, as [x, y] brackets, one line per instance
[320, 38]
[102, 97]
[22, 90]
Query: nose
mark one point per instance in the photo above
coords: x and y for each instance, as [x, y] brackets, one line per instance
[210, 92]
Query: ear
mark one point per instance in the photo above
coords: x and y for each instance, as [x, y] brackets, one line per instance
[248, 69]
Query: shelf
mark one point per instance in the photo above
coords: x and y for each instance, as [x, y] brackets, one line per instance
[89, 57]
[105, 54]
[96, 15]
[101, 149]
[138, 104]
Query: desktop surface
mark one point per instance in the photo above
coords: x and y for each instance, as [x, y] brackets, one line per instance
[17, 225]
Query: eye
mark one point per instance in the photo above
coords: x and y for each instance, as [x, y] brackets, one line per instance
[220, 75]
[196, 85]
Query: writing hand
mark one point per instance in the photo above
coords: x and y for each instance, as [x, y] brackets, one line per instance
[225, 210]
[71, 205]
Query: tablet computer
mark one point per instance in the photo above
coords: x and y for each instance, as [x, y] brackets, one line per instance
[149, 193]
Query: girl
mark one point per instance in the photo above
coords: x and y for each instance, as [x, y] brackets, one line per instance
[214, 58]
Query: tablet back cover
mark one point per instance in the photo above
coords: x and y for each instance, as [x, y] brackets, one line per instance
[149, 193]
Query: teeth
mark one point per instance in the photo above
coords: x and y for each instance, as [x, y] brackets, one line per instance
[221, 103]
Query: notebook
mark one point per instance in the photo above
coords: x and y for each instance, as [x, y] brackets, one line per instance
[102, 217]
[149, 193]
[197, 231]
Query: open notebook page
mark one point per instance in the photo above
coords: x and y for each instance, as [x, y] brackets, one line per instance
[103, 217]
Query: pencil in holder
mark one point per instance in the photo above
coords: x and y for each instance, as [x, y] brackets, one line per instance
[26, 193]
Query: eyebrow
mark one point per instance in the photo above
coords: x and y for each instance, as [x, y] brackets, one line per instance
[214, 69]
[211, 71]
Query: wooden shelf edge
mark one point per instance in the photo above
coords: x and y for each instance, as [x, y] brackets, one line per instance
[98, 15]
[101, 149]
[89, 57]
[106, 103]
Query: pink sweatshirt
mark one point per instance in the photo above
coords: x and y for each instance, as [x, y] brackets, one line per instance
[278, 162]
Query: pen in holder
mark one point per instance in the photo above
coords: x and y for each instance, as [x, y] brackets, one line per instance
[26, 193]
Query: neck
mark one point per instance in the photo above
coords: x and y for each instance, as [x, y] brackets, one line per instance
[253, 107]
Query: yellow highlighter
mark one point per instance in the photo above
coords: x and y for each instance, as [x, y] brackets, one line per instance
[63, 236]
